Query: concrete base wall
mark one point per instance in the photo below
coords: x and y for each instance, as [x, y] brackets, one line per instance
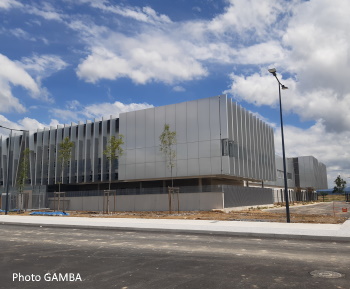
[247, 196]
[303, 196]
[152, 202]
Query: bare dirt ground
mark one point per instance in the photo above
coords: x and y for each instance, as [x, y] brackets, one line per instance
[246, 215]
[299, 213]
[322, 211]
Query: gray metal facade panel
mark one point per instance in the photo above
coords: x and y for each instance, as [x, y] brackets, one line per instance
[192, 149]
[45, 158]
[272, 153]
[230, 137]
[244, 143]
[140, 155]
[73, 162]
[15, 150]
[95, 151]
[223, 116]
[215, 165]
[66, 133]
[123, 125]
[260, 150]
[204, 149]
[192, 122]
[140, 171]
[59, 138]
[225, 165]
[250, 145]
[149, 128]
[170, 116]
[160, 121]
[214, 103]
[150, 170]
[254, 148]
[150, 154]
[161, 169]
[131, 130]
[80, 153]
[52, 155]
[235, 170]
[38, 162]
[193, 167]
[181, 120]
[204, 166]
[215, 148]
[31, 158]
[2, 161]
[239, 141]
[215, 155]
[235, 139]
[181, 151]
[159, 156]
[140, 137]
[273, 175]
[266, 154]
[241, 128]
[203, 120]
[130, 156]
[182, 167]
[131, 171]
[87, 153]
[1, 158]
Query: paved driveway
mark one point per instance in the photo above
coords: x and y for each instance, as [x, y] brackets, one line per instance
[327, 208]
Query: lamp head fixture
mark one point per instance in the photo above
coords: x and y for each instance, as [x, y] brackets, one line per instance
[273, 71]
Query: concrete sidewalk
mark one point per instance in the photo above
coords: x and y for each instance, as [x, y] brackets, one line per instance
[330, 232]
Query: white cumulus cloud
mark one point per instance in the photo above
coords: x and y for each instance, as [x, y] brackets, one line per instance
[143, 59]
[11, 73]
[78, 112]
[8, 4]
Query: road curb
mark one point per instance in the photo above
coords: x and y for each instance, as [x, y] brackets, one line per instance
[187, 231]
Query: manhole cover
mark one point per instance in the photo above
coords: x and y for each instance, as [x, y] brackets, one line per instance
[326, 274]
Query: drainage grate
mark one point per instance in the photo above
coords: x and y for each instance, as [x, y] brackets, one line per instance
[326, 274]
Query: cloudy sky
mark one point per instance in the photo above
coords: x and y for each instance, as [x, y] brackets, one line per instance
[67, 61]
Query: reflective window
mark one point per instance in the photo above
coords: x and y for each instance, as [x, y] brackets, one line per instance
[224, 146]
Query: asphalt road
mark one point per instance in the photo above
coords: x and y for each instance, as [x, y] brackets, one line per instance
[125, 260]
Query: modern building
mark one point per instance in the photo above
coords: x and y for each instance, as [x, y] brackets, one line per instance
[305, 175]
[218, 142]
[309, 173]
[220, 148]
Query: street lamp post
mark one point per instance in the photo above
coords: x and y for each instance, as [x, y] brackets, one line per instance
[8, 166]
[280, 85]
